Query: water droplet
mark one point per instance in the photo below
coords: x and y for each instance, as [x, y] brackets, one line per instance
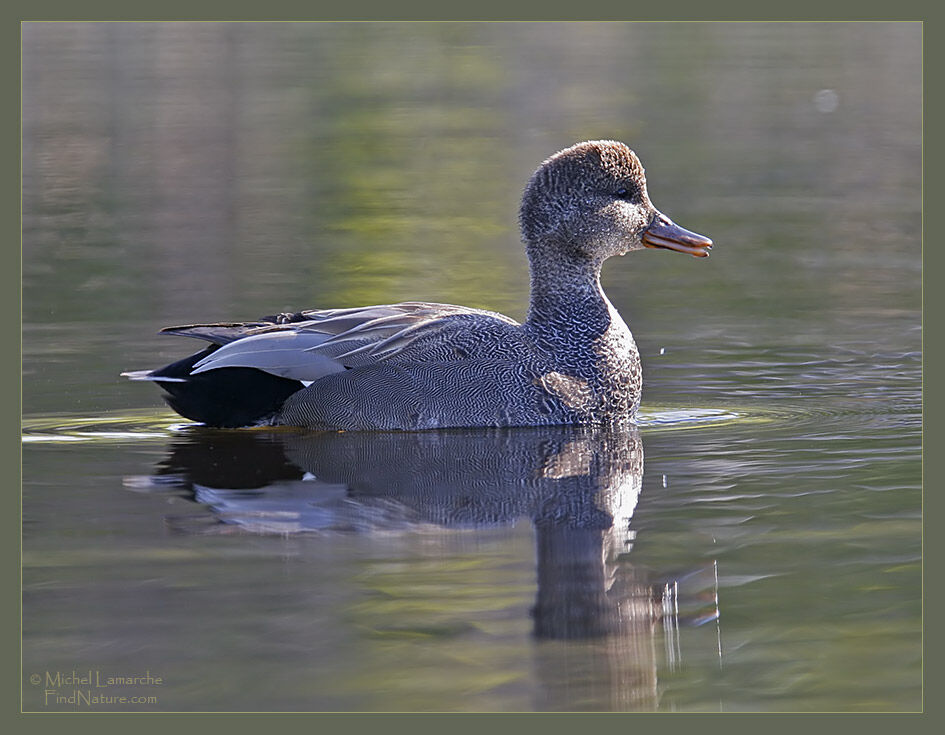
[826, 100]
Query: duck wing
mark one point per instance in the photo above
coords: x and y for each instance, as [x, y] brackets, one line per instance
[309, 345]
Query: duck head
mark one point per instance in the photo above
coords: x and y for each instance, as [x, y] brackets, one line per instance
[589, 202]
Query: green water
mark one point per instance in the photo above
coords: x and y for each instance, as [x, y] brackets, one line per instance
[754, 546]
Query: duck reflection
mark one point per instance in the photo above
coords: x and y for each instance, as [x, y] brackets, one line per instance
[283, 481]
[578, 487]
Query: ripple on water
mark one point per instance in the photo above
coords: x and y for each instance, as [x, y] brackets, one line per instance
[147, 425]
[129, 426]
[150, 425]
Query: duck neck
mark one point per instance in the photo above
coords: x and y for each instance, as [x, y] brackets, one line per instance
[568, 307]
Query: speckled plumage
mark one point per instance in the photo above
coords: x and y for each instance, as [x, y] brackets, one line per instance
[420, 365]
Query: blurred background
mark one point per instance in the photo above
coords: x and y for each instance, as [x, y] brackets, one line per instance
[180, 172]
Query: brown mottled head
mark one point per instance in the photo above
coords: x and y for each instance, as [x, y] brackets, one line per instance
[589, 202]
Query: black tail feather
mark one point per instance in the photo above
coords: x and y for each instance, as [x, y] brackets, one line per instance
[226, 397]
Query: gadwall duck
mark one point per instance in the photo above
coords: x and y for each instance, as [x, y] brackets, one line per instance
[419, 365]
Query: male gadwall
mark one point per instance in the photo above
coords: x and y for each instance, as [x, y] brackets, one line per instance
[419, 365]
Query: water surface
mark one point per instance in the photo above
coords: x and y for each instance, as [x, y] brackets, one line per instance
[753, 545]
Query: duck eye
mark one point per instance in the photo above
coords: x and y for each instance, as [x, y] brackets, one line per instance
[632, 195]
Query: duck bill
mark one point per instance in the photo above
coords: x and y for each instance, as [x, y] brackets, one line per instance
[664, 233]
